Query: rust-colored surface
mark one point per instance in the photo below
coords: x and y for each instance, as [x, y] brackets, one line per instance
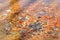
[30, 20]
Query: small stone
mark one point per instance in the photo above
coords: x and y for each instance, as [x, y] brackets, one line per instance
[55, 28]
[8, 10]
